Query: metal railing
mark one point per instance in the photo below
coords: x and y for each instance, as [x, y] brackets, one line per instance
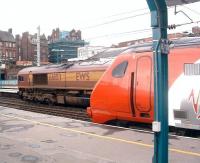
[8, 83]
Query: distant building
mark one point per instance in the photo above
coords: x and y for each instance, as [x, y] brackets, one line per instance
[7, 51]
[7, 46]
[149, 39]
[27, 47]
[196, 31]
[64, 45]
[55, 35]
[18, 40]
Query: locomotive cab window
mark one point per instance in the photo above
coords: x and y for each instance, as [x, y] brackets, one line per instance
[120, 69]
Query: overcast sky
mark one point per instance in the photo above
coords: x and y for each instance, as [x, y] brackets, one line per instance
[88, 16]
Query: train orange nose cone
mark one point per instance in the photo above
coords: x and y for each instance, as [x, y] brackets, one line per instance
[89, 112]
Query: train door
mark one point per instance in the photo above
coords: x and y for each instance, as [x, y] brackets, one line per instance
[143, 83]
[132, 93]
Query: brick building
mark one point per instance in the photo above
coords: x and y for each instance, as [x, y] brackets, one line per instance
[64, 45]
[55, 35]
[7, 46]
[26, 47]
[196, 30]
[149, 39]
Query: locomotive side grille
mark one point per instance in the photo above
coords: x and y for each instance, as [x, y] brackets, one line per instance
[180, 114]
[192, 69]
[40, 79]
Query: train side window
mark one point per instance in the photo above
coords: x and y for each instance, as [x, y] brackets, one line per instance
[120, 69]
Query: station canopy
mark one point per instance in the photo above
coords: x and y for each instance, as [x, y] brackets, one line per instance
[179, 2]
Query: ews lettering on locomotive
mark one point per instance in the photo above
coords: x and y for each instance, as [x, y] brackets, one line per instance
[82, 76]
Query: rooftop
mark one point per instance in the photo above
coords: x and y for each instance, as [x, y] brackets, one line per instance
[6, 36]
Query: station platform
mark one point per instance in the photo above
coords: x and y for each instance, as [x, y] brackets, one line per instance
[37, 138]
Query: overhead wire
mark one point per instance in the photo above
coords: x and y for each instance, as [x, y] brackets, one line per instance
[122, 33]
[173, 26]
[194, 11]
[139, 31]
[130, 17]
[119, 19]
[115, 20]
[117, 14]
[123, 13]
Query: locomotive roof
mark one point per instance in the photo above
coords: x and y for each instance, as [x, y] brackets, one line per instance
[105, 58]
[99, 61]
[108, 53]
[70, 66]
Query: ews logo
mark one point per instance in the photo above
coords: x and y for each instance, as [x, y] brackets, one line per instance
[82, 76]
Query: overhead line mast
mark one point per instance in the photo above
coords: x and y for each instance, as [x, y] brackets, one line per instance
[38, 46]
[159, 24]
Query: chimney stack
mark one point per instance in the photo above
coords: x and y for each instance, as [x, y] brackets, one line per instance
[10, 30]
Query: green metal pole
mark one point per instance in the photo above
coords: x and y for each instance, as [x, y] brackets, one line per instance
[159, 23]
[57, 57]
[0, 69]
[0, 74]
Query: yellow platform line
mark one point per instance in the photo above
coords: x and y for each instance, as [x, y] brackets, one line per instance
[100, 136]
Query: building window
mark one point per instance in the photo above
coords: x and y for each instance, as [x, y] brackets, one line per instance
[6, 53]
[120, 69]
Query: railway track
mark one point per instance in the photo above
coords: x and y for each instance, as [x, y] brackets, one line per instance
[68, 112]
[13, 101]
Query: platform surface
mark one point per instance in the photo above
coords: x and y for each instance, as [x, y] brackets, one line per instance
[9, 90]
[27, 137]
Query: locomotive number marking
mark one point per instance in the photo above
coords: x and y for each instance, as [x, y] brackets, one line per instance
[54, 76]
[82, 76]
